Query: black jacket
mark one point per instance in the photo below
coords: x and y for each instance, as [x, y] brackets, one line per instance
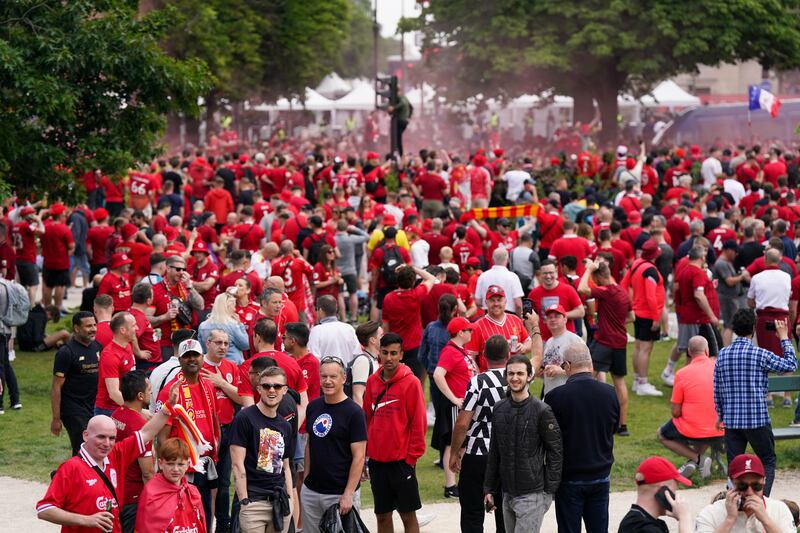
[525, 449]
[588, 415]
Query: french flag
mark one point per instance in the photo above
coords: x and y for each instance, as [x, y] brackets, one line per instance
[763, 99]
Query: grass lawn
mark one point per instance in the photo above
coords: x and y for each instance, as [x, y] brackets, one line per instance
[29, 451]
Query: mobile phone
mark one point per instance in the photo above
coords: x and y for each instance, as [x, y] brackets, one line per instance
[527, 307]
[741, 503]
[488, 506]
[661, 497]
[769, 326]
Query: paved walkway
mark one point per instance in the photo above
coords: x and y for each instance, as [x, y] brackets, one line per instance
[20, 497]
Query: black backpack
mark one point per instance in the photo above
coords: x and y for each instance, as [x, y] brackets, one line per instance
[348, 384]
[391, 260]
[31, 334]
[301, 236]
[317, 242]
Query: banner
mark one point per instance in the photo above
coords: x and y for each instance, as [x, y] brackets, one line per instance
[508, 211]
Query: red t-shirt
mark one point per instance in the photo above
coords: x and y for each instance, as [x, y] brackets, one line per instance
[625, 248]
[147, 336]
[219, 202]
[202, 273]
[208, 234]
[230, 279]
[24, 239]
[129, 422]
[292, 270]
[437, 241]
[77, 488]
[689, 279]
[113, 190]
[322, 275]
[104, 334]
[248, 313]
[613, 304]
[115, 362]
[230, 373]
[459, 366]
[309, 364]
[563, 295]
[55, 245]
[486, 327]
[294, 374]
[249, 236]
[118, 286]
[162, 297]
[97, 237]
[432, 186]
[401, 311]
[140, 187]
[376, 261]
[573, 245]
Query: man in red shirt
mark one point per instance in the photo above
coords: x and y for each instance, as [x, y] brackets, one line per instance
[401, 313]
[57, 247]
[431, 187]
[117, 283]
[240, 268]
[570, 244]
[176, 285]
[249, 235]
[380, 273]
[24, 238]
[142, 190]
[436, 240]
[96, 240]
[146, 347]
[775, 168]
[553, 292]
[116, 360]
[295, 342]
[8, 258]
[135, 389]
[293, 269]
[205, 275]
[78, 497]
[218, 200]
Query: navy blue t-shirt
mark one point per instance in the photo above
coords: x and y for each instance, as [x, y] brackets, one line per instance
[331, 429]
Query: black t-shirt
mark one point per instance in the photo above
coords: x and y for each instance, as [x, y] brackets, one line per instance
[639, 521]
[267, 442]
[331, 429]
[174, 177]
[78, 365]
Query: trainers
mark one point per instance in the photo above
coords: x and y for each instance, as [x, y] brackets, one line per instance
[668, 377]
[423, 519]
[634, 384]
[2, 411]
[623, 431]
[705, 467]
[647, 389]
[17, 406]
[451, 492]
[770, 403]
[787, 402]
[795, 424]
[688, 469]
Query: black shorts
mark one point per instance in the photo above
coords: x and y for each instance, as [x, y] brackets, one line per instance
[28, 273]
[669, 432]
[607, 359]
[56, 278]
[350, 283]
[643, 330]
[380, 294]
[394, 487]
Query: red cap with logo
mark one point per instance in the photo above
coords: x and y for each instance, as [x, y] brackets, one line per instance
[27, 210]
[128, 230]
[459, 324]
[746, 464]
[556, 309]
[200, 246]
[657, 469]
[118, 260]
[495, 290]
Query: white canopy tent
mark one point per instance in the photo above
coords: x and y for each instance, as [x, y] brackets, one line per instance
[669, 94]
[333, 86]
[361, 98]
[313, 102]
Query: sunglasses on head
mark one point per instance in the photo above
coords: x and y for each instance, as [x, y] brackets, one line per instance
[331, 359]
[755, 485]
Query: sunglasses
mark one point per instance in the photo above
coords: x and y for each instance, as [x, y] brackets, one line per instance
[755, 485]
[331, 359]
[179, 269]
[271, 386]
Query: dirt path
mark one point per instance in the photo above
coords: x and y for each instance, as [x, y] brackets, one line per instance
[20, 497]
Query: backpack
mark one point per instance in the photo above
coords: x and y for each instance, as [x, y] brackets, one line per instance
[391, 260]
[317, 242]
[18, 305]
[31, 334]
[301, 236]
[348, 384]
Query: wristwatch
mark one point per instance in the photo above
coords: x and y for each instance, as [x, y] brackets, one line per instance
[244, 501]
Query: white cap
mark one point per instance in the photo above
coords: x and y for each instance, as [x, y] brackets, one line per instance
[260, 157]
[622, 150]
[189, 345]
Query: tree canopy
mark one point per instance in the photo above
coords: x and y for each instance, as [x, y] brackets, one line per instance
[596, 49]
[84, 84]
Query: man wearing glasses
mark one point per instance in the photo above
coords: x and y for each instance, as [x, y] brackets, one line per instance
[177, 285]
[745, 507]
[262, 443]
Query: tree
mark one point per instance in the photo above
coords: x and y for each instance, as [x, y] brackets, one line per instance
[595, 50]
[355, 58]
[84, 85]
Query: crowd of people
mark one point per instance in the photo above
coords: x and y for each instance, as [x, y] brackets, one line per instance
[271, 320]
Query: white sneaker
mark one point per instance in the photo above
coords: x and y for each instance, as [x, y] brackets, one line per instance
[423, 519]
[688, 469]
[431, 418]
[705, 467]
[668, 377]
[647, 389]
[634, 385]
[12, 355]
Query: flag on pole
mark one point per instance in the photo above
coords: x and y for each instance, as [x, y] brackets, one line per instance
[760, 98]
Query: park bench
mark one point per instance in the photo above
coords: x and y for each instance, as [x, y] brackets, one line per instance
[783, 384]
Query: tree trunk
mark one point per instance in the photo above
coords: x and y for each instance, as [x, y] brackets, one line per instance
[583, 107]
[211, 110]
[606, 95]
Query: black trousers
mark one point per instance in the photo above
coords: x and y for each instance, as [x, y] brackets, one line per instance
[470, 496]
[763, 443]
[75, 424]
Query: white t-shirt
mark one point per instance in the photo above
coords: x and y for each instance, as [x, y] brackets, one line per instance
[712, 517]
[553, 354]
[419, 253]
[735, 189]
[771, 288]
[499, 275]
[709, 170]
[516, 183]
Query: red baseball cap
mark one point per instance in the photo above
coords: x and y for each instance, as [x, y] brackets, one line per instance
[745, 464]
[389, 220]
[411, 229]
[498, 152]
[128, 230]
[100, 213]
[634, 217]
[650, 250]
[118, 260]
[555, 309]
[27, 210]
[200, 246]
[57, 209]
[473, 262]
[171, 233]
[495, 290]
[373, 155]
[657, 469]
[459, 324]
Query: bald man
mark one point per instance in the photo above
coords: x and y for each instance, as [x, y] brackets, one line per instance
[693, 413]
[81, 493]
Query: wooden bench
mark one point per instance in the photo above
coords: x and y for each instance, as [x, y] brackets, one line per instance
[783, 384]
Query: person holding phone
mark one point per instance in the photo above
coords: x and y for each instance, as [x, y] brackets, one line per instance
[656, 483]
[745, 507]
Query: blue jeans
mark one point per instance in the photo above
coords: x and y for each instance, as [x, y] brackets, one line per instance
[763, 444]
[222, 502]
[797, 410]
[100, 411]
[587, 500]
